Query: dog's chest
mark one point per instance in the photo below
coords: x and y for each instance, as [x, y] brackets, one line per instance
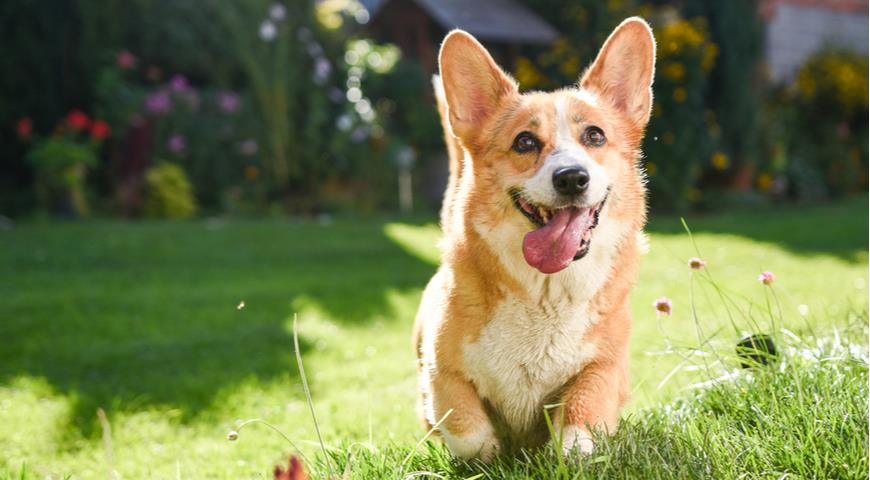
[526, 353]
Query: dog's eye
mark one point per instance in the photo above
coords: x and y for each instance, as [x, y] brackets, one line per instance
[525, 143]
[593, 137]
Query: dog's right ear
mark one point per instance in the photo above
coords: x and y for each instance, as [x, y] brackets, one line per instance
[474, 85]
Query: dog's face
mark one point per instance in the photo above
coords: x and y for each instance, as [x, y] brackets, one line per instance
[548, 167]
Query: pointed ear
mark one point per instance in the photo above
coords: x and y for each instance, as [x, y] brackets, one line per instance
[623, 72]
[474, 85]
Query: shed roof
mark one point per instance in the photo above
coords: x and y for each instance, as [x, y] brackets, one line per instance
[494, 20]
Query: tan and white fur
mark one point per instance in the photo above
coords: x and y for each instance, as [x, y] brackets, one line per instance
[496, 338]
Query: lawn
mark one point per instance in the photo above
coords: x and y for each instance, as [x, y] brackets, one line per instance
[145, 320]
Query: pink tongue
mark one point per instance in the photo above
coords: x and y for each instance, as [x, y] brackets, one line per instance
[552, 247]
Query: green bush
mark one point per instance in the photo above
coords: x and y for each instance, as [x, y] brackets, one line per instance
[61, 166]
[816, 128]
[168, 192]
[681, 138]
[829, 129]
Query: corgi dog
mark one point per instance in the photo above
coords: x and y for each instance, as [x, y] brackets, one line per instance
[542, 233]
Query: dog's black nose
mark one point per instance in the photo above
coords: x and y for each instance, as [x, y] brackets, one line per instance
[571, 181]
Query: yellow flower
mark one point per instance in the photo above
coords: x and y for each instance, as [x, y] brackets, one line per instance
[708, 61]
[252, 172]
[526, 73]
[674, 71]
[720, 161]
[680, 94]
[570, 67]
[764, 182]
[651, 168]
[840, 76]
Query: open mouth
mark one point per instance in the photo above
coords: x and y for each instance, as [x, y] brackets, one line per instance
[562, 235]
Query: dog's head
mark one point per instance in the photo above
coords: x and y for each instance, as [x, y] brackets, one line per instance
[547, 166]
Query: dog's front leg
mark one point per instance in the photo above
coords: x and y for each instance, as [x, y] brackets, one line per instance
[467, 430]
[592, 402]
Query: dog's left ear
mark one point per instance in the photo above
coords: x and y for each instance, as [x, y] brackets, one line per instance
[622, 74]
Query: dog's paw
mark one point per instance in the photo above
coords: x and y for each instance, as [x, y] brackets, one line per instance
[480, 444]
[576, 439]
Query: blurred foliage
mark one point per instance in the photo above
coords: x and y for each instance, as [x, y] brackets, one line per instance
[681, 139]
[61, 161]
[735, 88]
[169, 193]
[396, 91]
[819, 128]
[834, 81]
[584, 26]
[61, 167]
[285, 67]
[33, 60]
[277, 106]
[210, 131]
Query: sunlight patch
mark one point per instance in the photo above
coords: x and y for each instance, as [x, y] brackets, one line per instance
[35, 420]
[420, 241]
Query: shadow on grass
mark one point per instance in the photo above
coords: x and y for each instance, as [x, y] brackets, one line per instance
[838, 229]
[129, 317]
[133, 316]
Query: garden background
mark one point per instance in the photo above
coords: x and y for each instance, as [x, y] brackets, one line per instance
[180, 177]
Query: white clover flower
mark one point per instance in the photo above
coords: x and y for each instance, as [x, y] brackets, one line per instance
[268, 31]
[277, 12]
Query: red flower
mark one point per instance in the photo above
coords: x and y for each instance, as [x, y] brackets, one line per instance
[24, 128]
[78, 120]
[294, 471]
[100, 130]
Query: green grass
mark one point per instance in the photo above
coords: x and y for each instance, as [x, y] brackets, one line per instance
[141, 320]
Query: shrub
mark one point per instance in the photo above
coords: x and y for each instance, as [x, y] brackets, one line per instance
[169, 193]
[61, 161]
[820, 145]
[209, 131]
[831, 127]
[681, 139]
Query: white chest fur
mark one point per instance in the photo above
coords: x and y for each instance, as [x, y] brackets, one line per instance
[529, 349]
[526, 353]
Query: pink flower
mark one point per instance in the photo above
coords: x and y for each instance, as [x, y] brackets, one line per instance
[24, 128]
[158, 103]
[178, 83]
[176, 143]
[696, 263]
[766, 278]
[126, 60]
[663, 306]
[229, 102]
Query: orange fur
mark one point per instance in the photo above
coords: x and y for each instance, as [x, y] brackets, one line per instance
[496, 339]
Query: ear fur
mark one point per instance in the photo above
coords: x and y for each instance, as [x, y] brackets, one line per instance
[474, 85]
[622, 74]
